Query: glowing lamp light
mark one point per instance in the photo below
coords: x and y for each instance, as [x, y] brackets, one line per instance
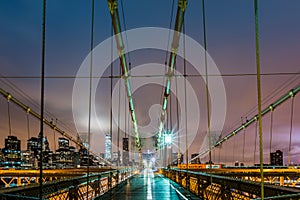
[153, 159]
[168, 139]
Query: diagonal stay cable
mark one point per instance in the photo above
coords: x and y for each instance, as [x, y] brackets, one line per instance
[290, 94]
[113, 7]
[172, 60]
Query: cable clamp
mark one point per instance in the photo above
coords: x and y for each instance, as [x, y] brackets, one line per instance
[9, 97]
[112, 5]
[182, 4]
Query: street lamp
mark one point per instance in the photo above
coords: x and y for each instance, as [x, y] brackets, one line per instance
[168, 138]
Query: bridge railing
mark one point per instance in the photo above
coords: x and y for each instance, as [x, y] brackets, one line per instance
[283, 197]
[72, 188]
[210, 186]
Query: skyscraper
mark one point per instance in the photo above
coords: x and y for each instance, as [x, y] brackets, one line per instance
[197, 160]
[277, 158]
[47, 153]
[107, 147]
[125, 151]
[32, 145]
[64, 157]
[63, 143]
[12, 152]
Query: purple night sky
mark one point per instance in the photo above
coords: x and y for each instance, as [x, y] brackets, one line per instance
[230, 42]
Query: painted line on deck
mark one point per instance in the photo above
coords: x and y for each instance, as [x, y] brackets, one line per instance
[176, 189]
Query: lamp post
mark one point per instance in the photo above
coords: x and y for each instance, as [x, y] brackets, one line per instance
[168, 137]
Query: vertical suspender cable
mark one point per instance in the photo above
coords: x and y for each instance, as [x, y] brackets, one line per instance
[128, 122]
[219, 152]
[8, 114]
[255, 139]
[28, 125]
[206, 77]
[111, 86]
[129, 63]
[219, 156]
[118, 136]
[54, 134]
[162, 149]
[206, 87]
[254, 119]
[271, 132]
[244, 140]
[225, 157]
[170, 112]
[42, 97]
[291, 130]
[54, 139]
[233, 150]
[214, 154]
[177, 118]
[90, 95]
[167, 131]
[185, 101]
[126, 125]
[171, 131]
[259, 98]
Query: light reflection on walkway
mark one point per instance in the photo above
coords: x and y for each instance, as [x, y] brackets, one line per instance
[146, 185]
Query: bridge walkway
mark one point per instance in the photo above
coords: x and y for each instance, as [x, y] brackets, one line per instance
[148, 185]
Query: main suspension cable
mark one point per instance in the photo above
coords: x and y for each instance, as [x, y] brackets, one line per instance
[125, 31]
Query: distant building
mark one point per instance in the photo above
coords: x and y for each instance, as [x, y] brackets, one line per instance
[76, 159]
[102, 155]
[47, 153]
[115, 156]
[125, 151]
[197, 160]
[27, 159]
[45, 143]
[64, 155]
[12, 152]
[32, 144]
[175, 158]
[107, 147]
[63, 143]
[83, 156]
[276, 158]
[1, 158]
[74, 155]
